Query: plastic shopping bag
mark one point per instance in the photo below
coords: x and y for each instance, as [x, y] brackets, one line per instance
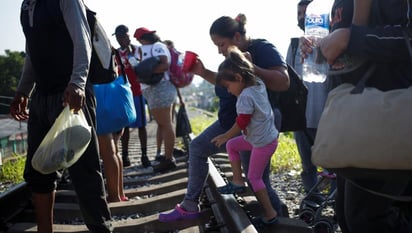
[115, 106]
[65, 142]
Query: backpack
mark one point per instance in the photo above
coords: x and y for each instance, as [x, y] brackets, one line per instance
[177, 76]
[292, 102]
[102, 63]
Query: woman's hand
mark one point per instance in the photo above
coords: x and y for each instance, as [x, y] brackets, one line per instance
[198, 68]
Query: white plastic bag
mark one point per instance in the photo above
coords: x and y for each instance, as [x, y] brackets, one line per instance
[65, 142]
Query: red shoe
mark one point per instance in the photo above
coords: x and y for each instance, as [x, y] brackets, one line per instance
[124, 198]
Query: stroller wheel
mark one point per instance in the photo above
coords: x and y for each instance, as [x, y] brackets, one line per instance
[307, 215]
[323, 226]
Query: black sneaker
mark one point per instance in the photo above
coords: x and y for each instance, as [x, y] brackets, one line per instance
[126, 162]
[179, 152]
[145, 161]
[159, 157]
[164, 165]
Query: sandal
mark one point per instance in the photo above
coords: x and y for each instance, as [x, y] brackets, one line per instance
[178, 214]
[231, 188]
[260, 223]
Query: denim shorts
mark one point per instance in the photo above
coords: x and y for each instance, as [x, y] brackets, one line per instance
[161, 95]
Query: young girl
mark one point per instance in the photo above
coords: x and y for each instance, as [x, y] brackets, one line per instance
[255, 119]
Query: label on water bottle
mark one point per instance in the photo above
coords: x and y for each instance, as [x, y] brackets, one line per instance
[317, 25]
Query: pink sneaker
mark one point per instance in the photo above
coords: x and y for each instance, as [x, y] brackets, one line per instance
[178, 214]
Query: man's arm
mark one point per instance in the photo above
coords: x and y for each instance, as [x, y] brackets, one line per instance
[74, 15]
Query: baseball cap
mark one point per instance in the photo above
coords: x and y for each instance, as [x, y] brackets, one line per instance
[121, 30]
[142, 31]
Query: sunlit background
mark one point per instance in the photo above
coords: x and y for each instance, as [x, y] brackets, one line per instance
[185, 22]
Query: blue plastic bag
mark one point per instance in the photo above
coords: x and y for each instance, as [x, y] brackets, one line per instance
[115, 107]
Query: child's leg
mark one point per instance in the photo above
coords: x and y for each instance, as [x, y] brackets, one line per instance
[233, 147]
[259, 159]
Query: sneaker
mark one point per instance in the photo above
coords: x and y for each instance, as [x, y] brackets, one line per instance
[179, 152]
[178, 214]
[159, 157]
[231, 188]
[145, 161]
[126, 162]
[164, 165]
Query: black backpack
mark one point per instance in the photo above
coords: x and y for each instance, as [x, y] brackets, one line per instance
[292, 102]
[98, 74]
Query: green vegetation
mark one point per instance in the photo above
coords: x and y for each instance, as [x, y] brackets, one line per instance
[12, 169]
[10, 70]
[286, 157]
[200, 122]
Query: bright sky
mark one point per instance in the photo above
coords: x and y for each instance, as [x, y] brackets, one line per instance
[186, 22]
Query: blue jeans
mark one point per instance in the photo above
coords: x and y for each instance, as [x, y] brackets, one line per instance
[199, 151]
[304, 142]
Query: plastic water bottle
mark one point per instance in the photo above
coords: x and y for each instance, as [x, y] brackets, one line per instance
[317, 22]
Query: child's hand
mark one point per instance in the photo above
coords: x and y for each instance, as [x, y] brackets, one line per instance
[219, 140]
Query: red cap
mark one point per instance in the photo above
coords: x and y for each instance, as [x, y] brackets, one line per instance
[142, 31]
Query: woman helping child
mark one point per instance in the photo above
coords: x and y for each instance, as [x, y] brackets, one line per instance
[255, 119]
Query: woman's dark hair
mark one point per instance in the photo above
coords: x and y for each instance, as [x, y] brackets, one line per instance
[227, 27]
[236, 63]
[150, 37]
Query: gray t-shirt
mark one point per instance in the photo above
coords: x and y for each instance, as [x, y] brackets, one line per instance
[261, 129]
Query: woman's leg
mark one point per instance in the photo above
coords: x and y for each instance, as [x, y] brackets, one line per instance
[199, 151]
[118, 157]
[111, 166]
[159, 141]
[163, 117]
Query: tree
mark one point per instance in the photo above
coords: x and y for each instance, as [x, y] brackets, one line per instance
[11, 66]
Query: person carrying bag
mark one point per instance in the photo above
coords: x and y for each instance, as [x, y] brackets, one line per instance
[115, 107]
[365, 130]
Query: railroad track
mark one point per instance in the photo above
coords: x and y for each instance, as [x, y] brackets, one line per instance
[150, 194]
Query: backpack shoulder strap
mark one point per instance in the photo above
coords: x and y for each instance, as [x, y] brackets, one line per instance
[294, 43]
